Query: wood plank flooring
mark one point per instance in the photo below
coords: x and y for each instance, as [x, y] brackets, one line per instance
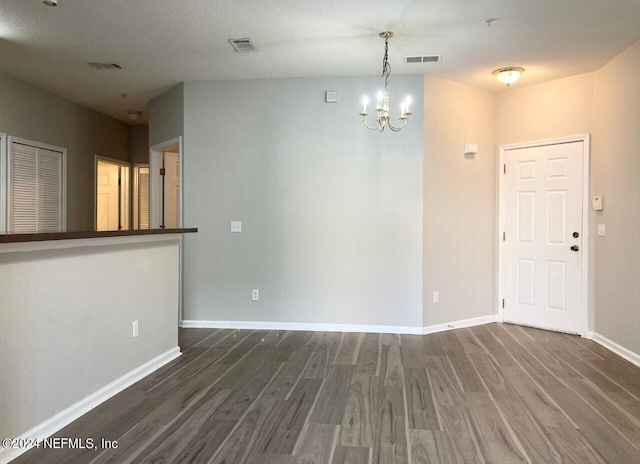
[496, 393]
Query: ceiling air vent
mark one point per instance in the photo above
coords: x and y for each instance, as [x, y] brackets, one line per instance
[105, 66]
[424, 59]
[242, 45]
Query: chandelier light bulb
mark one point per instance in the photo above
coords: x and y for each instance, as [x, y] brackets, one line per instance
[365, 102]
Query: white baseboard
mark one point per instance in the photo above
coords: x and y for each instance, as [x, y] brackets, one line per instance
[626, 353]
[65, 417]
[459, 324]
[319, 327]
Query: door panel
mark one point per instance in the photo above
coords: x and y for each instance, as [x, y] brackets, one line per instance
[107, 200]
[543, 209]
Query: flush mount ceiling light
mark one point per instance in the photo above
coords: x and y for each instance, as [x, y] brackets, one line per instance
[508, 75]
[134, 115]
[50, 2]
[382, 107]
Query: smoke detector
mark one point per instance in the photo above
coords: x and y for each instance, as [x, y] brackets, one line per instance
[242, 45]
[105, 66]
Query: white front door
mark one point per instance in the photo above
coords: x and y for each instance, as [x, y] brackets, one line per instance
[543, 236]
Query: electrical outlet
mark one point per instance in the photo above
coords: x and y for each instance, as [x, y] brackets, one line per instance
[236, 226]
[255, 294]
[435, 297]
[601, 230]
[134, 329]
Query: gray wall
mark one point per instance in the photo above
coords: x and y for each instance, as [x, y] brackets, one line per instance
[331, 212]
[616, 176]
[66, 320]
[459, 202]
[33, 114]
[166, 115]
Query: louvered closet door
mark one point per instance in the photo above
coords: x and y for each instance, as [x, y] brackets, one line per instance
[35, 189]
[49, 191]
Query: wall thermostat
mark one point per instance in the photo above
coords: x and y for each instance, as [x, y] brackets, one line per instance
[596, 203]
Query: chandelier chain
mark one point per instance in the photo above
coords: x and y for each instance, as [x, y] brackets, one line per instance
[386, 67]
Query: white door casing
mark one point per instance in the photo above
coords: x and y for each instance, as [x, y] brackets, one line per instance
[542, 278]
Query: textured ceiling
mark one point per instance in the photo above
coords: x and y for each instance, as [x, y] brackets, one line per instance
[163, 42]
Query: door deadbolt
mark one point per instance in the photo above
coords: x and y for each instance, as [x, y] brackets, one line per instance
[576, 235]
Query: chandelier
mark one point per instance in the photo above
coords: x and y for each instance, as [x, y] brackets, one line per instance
[382, 106]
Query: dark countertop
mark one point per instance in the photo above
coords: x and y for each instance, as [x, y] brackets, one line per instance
[40, 237]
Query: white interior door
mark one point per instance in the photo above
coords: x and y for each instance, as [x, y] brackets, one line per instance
[543, 236]
[107, 207]
[112, 195]
[172, 190]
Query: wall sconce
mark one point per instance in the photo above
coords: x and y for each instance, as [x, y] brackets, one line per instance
[470, 149]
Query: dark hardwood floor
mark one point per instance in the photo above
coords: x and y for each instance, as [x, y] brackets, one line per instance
[496, 393]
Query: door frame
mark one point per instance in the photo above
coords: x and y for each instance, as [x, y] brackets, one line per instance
[3, 182]
[155, 198]
[155, 203]
[118, 162]
[586, 188]
[7, 192]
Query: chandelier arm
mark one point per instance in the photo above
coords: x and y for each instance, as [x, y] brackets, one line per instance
[398, 128]
[370, 127]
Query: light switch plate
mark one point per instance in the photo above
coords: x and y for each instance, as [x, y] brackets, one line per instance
[236, 226]
[600, 230]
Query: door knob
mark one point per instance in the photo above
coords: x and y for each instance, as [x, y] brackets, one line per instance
[575, 248]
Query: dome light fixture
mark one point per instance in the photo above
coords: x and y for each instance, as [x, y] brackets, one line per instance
[508, 75]
[50, 2]
[134, 115]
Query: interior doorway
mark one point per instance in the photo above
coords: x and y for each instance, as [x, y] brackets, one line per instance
[140, 201]
[543, 239]
[165, 184]
[112, 194]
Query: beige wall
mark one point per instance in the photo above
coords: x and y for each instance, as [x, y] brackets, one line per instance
[139, 144]
[552, 109]
[616, 176]
[459, 202]
[33, 114]
[605, 104]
